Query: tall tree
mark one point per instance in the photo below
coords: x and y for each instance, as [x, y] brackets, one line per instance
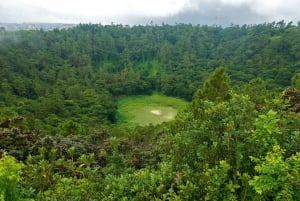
[216, 87]
[296, 81]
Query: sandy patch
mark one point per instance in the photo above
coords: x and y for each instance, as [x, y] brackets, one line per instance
[156, 112]
[169, 116]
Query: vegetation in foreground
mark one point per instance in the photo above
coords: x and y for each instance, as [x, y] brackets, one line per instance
[222, 147]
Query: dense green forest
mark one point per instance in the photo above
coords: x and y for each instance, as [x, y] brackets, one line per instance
[238, 138]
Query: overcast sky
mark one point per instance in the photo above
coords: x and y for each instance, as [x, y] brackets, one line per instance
[220, 12]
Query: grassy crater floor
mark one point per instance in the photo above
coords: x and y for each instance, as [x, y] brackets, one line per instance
[144, 110]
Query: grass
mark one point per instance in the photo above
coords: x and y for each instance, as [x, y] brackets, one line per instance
[144, 110]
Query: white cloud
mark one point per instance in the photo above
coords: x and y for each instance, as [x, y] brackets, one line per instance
[236, 2]
[132, 11]
[272, 10]
[111, 7]
[279, 9]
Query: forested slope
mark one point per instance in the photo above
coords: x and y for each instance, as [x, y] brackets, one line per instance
[237, 140]
[222, 147]
[49, 76]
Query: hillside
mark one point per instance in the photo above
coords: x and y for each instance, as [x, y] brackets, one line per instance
[66, 132]
[79, 72]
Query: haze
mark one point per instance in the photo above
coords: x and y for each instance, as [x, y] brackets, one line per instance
[222, 12]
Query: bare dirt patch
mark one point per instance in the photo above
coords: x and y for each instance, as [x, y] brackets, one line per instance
[170, 116]
[156, 112]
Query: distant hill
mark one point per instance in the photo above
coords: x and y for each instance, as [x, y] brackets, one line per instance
[34, 26]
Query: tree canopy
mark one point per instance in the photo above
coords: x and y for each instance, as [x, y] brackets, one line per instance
[238, 139]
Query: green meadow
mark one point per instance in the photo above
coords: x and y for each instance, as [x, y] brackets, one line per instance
[144, 110]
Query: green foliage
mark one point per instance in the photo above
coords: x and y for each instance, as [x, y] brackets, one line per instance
[296, 81]
[70, 127]
[278, 178]
[226, 145]
[219, 186]
[61, 178]
[214, 145]
[15, 141]
[43, 79]
[68, 189]
[10, 176]
[266, 133]
[142, 184]
[257, 90]
[216, 87]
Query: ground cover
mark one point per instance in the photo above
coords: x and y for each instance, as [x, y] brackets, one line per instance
[144, 110]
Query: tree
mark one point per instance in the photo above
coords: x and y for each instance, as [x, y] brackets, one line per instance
[266, 134]
[10, 176]
[278, 178]
[296, 81]
[216, 87]
[257, 90]
[70, 127]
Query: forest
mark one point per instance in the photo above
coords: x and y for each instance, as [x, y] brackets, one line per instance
[236, 135]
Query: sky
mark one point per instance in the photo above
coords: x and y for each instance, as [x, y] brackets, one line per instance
[131, 12]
